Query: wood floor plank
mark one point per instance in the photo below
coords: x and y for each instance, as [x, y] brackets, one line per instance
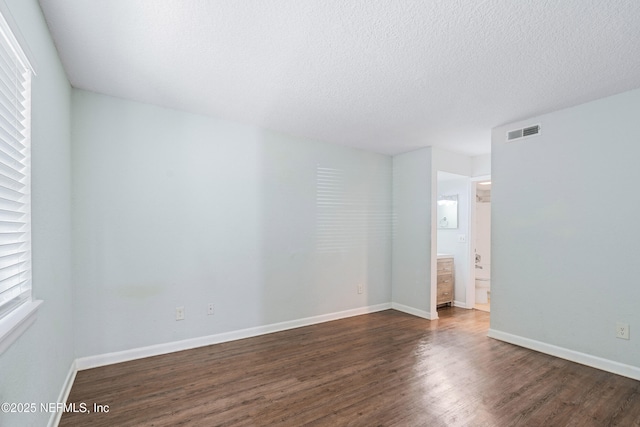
[380, 369]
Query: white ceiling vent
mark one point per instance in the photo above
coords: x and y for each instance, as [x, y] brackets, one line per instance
[515, 134]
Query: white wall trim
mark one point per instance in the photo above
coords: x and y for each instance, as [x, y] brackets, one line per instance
[26, 56]
[17, 322]
[571, 355]
[54, 420]
[171, 347]
[413, 311]
[481, 178]
[433, 261]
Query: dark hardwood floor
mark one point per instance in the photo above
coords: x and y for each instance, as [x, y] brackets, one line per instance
[380, 369]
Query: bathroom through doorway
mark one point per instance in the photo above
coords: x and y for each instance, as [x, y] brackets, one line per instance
[482, 249]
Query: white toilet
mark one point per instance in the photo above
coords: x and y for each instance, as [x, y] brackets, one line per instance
[483, 283]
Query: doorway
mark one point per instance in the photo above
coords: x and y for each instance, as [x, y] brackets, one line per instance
[452, 228]
[482, 244]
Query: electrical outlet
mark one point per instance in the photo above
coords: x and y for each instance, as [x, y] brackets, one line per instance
[360, 288]
[210, 309]
[179, 313]
[622, 330]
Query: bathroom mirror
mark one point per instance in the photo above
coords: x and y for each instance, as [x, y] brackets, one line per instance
[448, 211]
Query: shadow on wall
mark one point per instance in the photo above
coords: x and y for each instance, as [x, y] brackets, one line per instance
[326, 228]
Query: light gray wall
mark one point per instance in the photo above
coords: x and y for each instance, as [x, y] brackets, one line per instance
[448, 161]
[174, 209]
[34, 368]
[412, 238]
[481, 165]
[565, 227]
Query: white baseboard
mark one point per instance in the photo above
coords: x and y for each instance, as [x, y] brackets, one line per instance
[171, 347]
[564, 353]
[54, 420]
[413, 311]
[461, 305]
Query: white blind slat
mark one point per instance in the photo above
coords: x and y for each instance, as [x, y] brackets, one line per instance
[9, 194]
[12, 259]
[13, 237]
[12, 226]
[10, 105]
[19, 171]
[11, 92]
[12, 152]
[14, 292]
[8, 57]
[10, 248]
[10, 171]
[7, 181]
[12, 298]
[12, 276]
[13, 206]
[10, 113]
[12, 118]
[8, 70]
[10, 137]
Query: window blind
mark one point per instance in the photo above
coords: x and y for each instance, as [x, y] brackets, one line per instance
[15, 185]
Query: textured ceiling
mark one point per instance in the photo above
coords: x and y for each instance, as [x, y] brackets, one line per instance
[388, 76]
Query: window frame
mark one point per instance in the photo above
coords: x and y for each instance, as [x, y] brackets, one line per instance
[17, 319]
